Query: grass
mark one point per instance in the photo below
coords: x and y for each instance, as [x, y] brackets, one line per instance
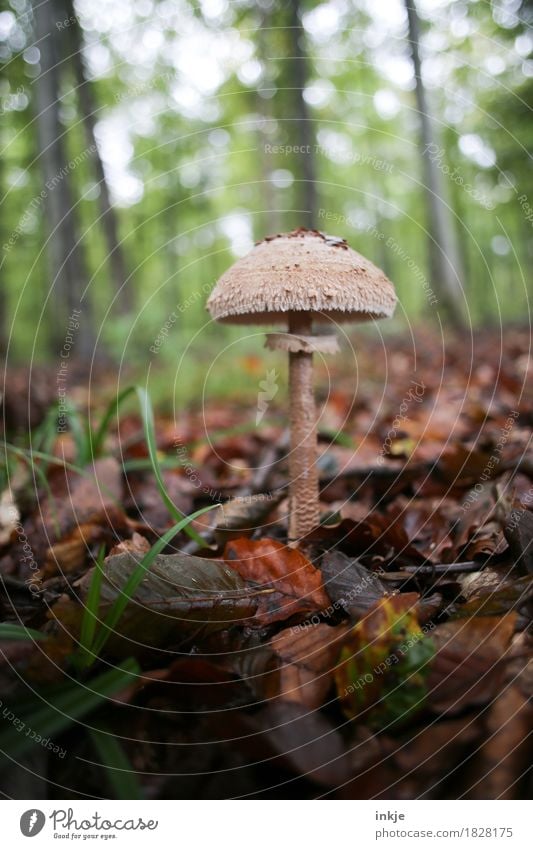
[57, 709]
[120, 775]
[9, 631]
[84, 656]
[147, 415]
[90, 443]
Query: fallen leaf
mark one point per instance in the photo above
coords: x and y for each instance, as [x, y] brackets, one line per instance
[469, 662]
[505, 756]
[350, 585]
[269, 563]
[383, 664]
[136, 545]
[518, 531]
[306, 656]
[307, 742]
[181, 596]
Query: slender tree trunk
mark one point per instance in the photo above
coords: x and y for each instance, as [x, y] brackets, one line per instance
[271, 218]
[298, 75]
[3, 287]
[115, 254]
[66, 261]
[444, 255]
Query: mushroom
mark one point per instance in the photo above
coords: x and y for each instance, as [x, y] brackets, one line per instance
[299, 278]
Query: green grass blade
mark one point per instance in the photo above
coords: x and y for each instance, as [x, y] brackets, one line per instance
[80, 433]
[147, 416]
[10, 631]
[118, 770]
[141, 465]
[84, 656]
[135, 579]
[97, 443]
[64, 708]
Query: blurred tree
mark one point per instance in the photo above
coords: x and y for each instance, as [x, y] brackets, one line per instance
[297, 74]
[445, 266]
[66, 260]
[73, 53]
[197, 106]
[270, 217]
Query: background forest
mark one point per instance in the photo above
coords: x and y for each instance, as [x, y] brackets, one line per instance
[147, 144]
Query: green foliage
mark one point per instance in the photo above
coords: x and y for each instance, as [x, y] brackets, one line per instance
[84, 656]
[118, 771]
[147, 416]
[62, 706]
[205, 185]
[10, 631]
[384, 666]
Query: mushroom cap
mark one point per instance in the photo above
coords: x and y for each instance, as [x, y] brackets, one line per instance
[304, 270]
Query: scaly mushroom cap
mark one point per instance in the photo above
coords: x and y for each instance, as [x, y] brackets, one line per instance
[305, 270]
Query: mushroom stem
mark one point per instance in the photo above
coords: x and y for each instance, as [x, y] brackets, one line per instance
[303, 474]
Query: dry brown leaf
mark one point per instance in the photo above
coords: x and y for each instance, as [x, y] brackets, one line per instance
[469, 664]
[269, 563]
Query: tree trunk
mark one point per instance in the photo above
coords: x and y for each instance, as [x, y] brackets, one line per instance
[302, 127]
[87, 108]
[444, 258]
[270, 218]
[3, 287]
[66, 262]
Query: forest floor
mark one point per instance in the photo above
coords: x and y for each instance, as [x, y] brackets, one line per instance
[145, 655]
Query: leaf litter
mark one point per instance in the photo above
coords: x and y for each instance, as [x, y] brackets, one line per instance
[387, 657]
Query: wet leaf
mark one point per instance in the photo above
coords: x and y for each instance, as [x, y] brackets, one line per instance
[181, 596]
[351, 586]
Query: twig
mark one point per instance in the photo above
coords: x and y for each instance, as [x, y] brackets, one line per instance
[437, 569]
